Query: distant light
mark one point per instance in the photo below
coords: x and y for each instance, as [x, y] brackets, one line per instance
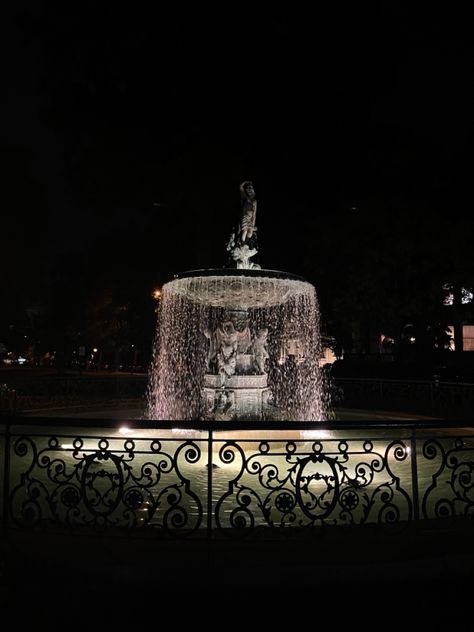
[21, 360]
[466, 296]
[412, 339]
[95, 350]
[156, 294]
[124, 430]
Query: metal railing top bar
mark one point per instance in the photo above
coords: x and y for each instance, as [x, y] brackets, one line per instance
[391, 380]
[142, 424]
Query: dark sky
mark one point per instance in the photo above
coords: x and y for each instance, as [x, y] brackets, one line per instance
[129, 130]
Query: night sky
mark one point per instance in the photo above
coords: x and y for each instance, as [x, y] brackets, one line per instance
[126, 133]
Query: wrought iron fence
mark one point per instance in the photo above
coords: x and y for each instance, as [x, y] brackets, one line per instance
[444, 399]
[232, 480]
[62, 391]
[8, 400]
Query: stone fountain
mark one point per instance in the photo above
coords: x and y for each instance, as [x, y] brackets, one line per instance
[237, 343]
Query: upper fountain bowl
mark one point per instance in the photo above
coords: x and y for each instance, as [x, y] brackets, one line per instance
[235, 288]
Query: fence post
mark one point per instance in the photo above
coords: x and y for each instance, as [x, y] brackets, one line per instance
[6, 482]
[209, 483]
[209, 501]
[414, 476]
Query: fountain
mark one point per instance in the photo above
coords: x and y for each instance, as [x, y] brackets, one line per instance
[238, 343]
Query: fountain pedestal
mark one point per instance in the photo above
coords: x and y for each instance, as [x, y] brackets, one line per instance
[242, 397]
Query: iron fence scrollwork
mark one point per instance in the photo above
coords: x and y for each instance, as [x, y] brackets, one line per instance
[198, 482]
[325, 483]
[101, 483]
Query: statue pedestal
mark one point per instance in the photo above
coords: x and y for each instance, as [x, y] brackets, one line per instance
[242, 397]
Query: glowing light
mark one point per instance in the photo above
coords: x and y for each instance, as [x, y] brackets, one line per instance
[451, 343]
[412, 339]
[156, 294]
[466, 296]
[316, 434]
[124, 430]
[94, 350]
[468, 337]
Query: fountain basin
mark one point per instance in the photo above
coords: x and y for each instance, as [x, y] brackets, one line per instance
[239, 289]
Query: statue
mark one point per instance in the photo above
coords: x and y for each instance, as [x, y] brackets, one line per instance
[248, 213]
[224, 343]
[259, 350]
[212, 347]
[227, 338]
[242, 243]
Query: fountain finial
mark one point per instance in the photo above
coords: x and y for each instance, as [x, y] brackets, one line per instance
[242, 244]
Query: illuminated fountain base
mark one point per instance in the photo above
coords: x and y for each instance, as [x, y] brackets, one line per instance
[237, 345]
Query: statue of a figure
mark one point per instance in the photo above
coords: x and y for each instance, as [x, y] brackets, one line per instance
[227, 338]
[212, 348]
[221, 343]
[248, 213]
[242, 244]
[259, 350]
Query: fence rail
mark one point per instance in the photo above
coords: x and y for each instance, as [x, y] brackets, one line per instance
[432, 397]
[27, 393]
[232, 480]
[445, 399]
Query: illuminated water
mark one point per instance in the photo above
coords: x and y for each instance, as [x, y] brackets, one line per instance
[287, 307]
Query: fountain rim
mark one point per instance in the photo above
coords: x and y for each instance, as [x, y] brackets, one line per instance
[228, 272]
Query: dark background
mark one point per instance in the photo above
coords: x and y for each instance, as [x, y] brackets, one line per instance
[127, 131]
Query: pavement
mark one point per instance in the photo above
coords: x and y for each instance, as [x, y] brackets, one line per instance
[351, 575]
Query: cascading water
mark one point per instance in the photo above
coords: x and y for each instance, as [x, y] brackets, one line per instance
[237, 344]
